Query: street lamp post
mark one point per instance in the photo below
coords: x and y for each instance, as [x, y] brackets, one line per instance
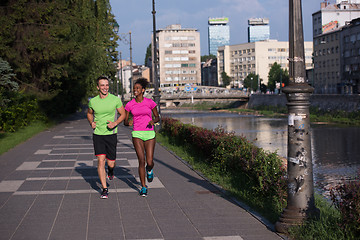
[127, 41]
[300, 200]
[156, 95]
[121, 78]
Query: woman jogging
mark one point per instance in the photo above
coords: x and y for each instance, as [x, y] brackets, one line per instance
[143, 134]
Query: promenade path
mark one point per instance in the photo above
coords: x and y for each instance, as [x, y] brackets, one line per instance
[49, 189]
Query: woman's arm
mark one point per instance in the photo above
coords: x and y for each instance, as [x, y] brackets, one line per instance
[126, 120]
[156, 117]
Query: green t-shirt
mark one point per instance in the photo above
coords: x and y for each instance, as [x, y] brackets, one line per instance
[104, 110]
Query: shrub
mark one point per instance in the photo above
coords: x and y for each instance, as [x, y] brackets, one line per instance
[19, 112]
[346, 198]
[234, 155]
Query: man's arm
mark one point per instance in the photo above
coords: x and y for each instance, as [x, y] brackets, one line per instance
[121, 111]
[90, 118]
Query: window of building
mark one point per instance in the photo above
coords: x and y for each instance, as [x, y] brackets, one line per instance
[347, 53]
[346, 39]
[191, 51]
[192, 65]
[168, 52]
[352, 38]
[184, 65]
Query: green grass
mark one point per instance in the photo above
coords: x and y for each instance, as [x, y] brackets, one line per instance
[238, 186]
[10, 140]
[325, 227]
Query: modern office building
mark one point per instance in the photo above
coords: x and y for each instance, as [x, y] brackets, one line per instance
[179, 62]
[332, 16]
[218, 34]
[240, 60]
[258, 30]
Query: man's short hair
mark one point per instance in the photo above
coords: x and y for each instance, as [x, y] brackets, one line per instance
[101, 78]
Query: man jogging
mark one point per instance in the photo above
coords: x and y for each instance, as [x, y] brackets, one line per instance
[102, 116]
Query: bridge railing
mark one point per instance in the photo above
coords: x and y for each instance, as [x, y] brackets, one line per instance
[199, 92]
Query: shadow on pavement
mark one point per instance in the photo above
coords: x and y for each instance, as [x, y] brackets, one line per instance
[90, 175]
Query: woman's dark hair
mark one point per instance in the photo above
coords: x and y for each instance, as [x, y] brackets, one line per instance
[143, 82]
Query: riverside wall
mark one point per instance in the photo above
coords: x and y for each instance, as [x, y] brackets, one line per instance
[347, 103]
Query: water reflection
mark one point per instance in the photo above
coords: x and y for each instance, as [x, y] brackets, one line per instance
[335, 150]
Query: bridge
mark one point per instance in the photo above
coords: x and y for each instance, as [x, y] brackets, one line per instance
[176, 96]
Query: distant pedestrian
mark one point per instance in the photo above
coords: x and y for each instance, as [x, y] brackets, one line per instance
[102, 116]
[145, 115]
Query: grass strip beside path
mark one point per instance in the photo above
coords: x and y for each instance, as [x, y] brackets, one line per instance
[9, 140]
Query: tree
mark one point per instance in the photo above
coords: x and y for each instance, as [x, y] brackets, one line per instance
[225, 79]
[252, 82]
[277, 75]
[207, 57]
[148, 55]
[6, 82]
[58, 48]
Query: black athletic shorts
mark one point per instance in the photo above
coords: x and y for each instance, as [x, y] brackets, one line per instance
[105, 145]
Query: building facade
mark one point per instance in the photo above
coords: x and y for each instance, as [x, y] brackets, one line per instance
[335, 42]
[179, 62]
[327, 66]
[240, 60]
[350, 62]
[332, 16]
[218, 34]
[209, 73]
[258, 30]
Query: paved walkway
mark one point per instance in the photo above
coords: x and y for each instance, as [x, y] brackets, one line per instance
[49, 189]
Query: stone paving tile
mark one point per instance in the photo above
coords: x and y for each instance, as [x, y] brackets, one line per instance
[50, 190]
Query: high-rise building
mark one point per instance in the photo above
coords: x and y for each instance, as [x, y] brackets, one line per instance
[218, 34]
[258, 30]
[240, 60]
[179, 60]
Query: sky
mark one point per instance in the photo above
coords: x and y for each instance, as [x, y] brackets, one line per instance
[136, 16]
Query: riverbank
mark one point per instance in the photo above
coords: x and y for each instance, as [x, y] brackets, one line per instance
[317, 115]
[326, 227]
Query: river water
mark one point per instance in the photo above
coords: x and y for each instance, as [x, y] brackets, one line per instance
[335, 149]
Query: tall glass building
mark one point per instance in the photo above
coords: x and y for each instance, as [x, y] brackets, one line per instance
[258, 30]
[218, 34]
